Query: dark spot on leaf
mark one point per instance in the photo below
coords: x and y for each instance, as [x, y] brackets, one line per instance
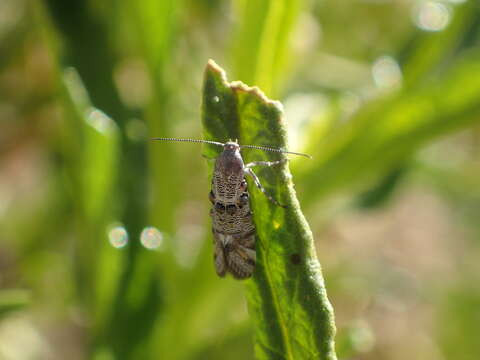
[295, 259]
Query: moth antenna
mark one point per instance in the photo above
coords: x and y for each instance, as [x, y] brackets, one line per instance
[190, 140]
[275, 150]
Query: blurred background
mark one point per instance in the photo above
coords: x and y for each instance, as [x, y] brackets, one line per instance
[105, 247]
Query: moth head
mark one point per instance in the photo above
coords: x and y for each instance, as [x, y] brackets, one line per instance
[231, 146]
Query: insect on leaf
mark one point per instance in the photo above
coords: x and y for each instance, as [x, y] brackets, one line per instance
[287, 300]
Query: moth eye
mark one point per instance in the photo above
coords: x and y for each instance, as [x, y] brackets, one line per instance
[231, 209]
[219, 207]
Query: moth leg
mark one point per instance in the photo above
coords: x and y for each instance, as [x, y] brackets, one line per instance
[265, 163]
[250, 172]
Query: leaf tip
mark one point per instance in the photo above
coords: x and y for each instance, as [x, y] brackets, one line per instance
[255, 90]
[212, 66]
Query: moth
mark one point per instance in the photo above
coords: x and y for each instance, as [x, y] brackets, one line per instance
[232, 223]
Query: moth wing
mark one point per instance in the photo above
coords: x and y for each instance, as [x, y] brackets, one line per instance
[241, 261]
[219, 256]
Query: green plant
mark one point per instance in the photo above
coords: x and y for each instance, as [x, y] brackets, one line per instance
[287, 298]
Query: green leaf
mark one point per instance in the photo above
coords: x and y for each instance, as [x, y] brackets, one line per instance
[262, 40]
[428, 52]
[94, 138]
[386, 132]
[287, 300]
[380, 193]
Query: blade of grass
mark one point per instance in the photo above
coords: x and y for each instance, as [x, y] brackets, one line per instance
[99, 265]
[385, 133]
[428, 52]
[263, 39]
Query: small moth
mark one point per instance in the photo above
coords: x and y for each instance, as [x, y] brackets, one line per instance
[232, 224]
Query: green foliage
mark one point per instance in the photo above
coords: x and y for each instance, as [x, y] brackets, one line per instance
[84, 85]
[387, 132]
[262, 42]
[287, 298]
